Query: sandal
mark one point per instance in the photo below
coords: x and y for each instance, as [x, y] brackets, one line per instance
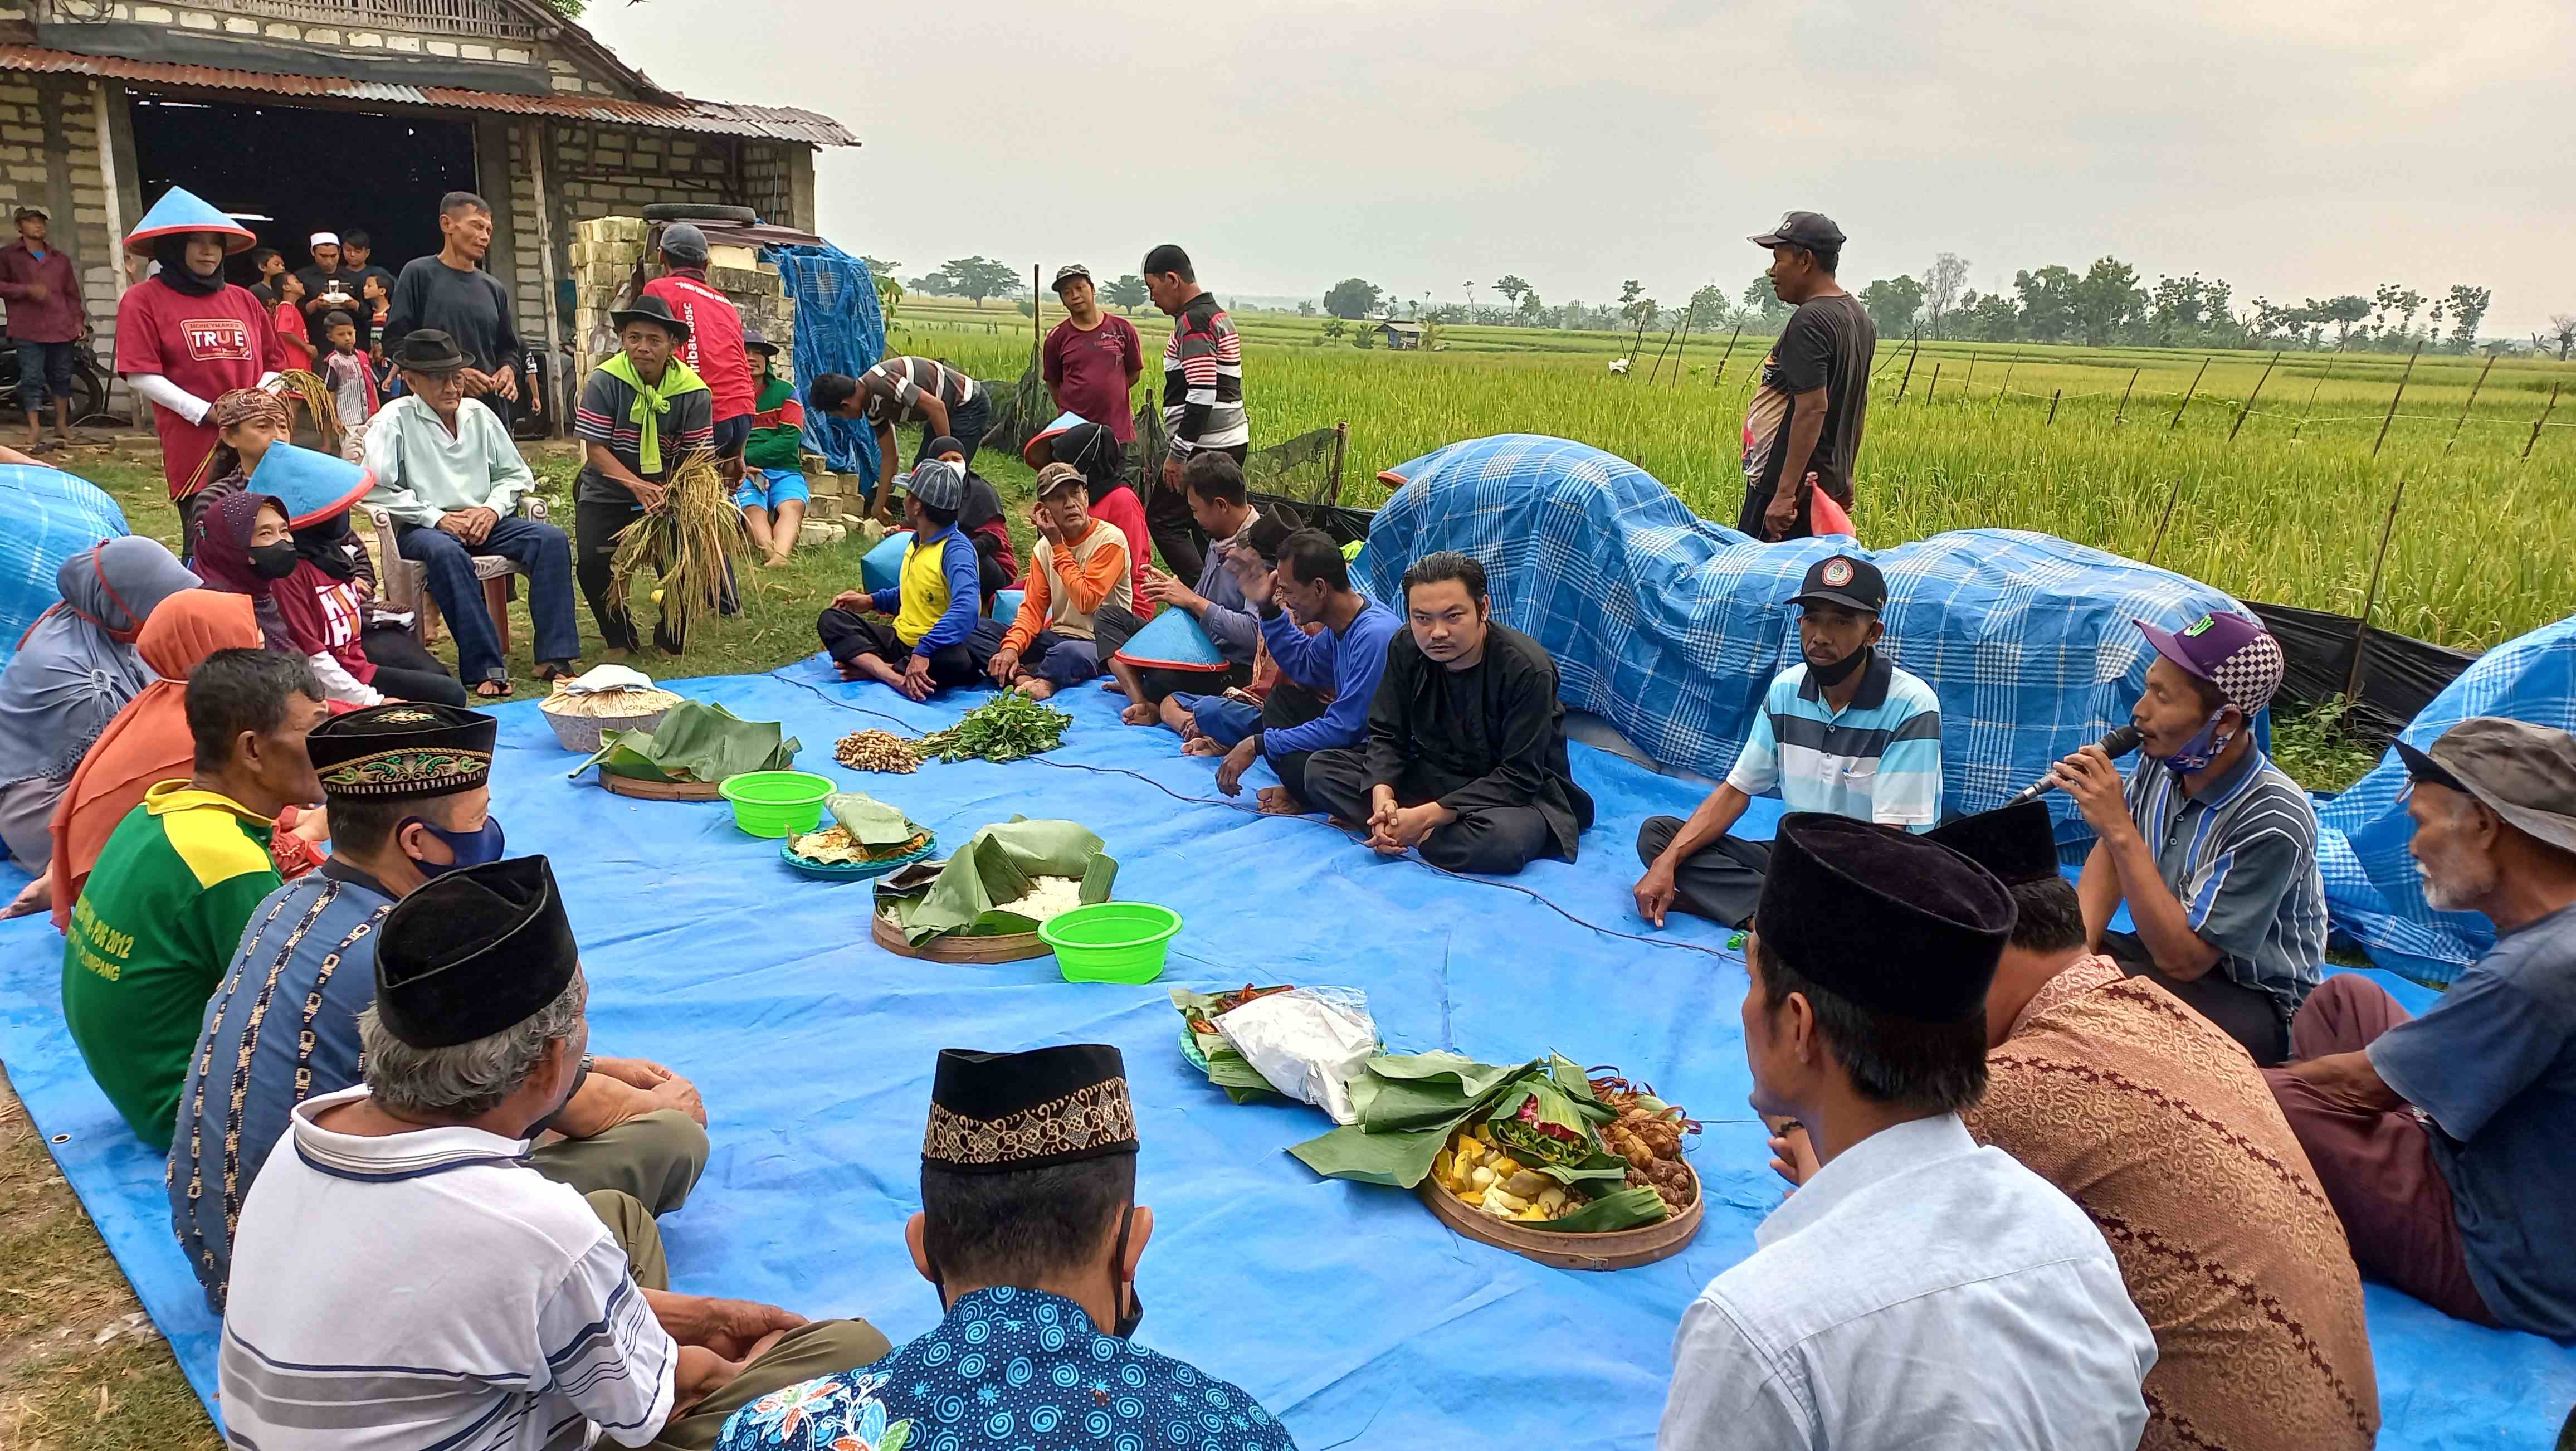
[550, 671]
[492, 689]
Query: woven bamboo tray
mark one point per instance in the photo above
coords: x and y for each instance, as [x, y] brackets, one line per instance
[1009, 947]
[582, 732]
[661, 790]
[1619, 1249]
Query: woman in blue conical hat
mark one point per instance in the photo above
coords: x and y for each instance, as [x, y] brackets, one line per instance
[185, 337]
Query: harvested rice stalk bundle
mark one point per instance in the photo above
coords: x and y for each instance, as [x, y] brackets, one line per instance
[690, 541]
[314, 395]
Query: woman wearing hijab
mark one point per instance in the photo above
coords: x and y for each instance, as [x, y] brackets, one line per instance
[338, 556]
[186, 336]
[245, 548]
[148, 743]
[74, 670]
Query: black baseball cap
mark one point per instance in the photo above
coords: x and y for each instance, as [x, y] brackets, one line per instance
[1812, 230]
[1840, 579]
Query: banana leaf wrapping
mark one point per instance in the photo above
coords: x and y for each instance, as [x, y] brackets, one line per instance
[695, 741]
[1410, 1105]
[1225, 1067]
[869, 822]
[996, 866]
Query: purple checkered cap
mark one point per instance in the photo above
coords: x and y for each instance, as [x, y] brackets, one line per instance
[2229, 651]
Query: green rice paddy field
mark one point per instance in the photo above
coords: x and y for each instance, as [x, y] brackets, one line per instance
[2289, 510]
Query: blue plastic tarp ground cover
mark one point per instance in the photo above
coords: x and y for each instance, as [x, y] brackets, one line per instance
[1672, 626]
[1347, 1309]
[46, 517]
[2373, 891]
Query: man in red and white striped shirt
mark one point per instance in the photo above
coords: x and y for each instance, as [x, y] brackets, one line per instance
[1202, 401]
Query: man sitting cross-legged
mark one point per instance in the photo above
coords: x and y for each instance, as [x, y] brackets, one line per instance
[1030, 1232]
[1344, 660]
[410, 800]
[933, 639]
[404, 1278]
[1843, 731]
[2158, 1126]
[1465, 757]
[1080, 566]
[1222, 506]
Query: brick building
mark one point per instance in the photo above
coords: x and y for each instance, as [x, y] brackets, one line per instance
[331, 115]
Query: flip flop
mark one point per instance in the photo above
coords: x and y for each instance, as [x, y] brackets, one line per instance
[550, 671]
[484, 690]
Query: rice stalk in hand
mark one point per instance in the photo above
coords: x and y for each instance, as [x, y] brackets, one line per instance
[690, 541]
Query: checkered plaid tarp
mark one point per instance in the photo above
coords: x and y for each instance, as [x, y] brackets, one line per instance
[2373, 893]
[1671, 627]
[46, 517]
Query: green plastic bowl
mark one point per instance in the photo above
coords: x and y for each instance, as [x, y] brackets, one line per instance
[776, 803]
[1111, 941]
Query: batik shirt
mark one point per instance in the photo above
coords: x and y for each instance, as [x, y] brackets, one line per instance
[1009, 1368]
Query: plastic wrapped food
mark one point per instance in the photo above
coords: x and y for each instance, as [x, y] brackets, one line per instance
[1309, 1042]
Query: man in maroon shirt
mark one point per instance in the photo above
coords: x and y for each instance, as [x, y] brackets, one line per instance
[1093, 358]
[714, 348]
[47, 320]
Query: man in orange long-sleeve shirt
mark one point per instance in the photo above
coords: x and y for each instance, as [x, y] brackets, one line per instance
[1080, 565]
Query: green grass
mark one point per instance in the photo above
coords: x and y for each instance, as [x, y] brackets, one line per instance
[2480, 551]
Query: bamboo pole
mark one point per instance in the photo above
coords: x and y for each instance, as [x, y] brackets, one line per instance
[1909, 369]
[2392, 400]
[2250, 397]
[1667, 348]
[2463, 421]
[1729, 353]
[1935, 385]
[2541, 422]
[2361, 631]
[2123, 415]
[2007, 387]
[2172, 497]
[1636, 343]
[1969, 388]
[2052, 408]
[1689, 315]
[1341, 446]
[2186, 396]
[2312, 400]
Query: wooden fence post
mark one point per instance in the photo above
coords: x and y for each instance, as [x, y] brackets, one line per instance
[2007, 387]
[2392, 400]
[2123, 415]
[1935, 385]
[2540, 423]
[1969, 388]
[1729, 353]
[1341, 446]
[1909, 369]
[2304, 413]
[2250, 397]
[2361, 631]
[2186, 396]
[2052, 408]
[2472, 403]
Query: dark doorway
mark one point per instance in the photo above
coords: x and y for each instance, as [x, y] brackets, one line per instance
[289, 172]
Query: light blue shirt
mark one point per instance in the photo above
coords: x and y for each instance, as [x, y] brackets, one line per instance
[1877, 759]
[423, 471]
[1920, 1292]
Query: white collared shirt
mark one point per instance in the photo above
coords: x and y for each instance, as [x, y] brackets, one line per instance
[431, 1289]
[1920, 1292]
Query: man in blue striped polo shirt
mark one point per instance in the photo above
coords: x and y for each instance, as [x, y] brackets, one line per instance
[2210, 845]
[1845, 732]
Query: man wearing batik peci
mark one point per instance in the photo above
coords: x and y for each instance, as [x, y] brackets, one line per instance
[1030, 1232]
[408, 786]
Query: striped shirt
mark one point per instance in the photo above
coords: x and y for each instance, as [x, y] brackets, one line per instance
[2241, 857]
[894, 388]
[1203, 380]
[516, 1321]
[1877, 759]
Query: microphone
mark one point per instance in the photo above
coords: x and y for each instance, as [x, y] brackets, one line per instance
[2118, 743]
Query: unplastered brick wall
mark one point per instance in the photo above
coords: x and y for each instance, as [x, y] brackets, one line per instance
[49, 158]
[365, 35]
[604, 253]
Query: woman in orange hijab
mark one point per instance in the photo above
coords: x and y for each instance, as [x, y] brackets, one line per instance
[148, 742]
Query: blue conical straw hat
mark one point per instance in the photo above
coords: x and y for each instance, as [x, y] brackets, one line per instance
[313, 486]
[180, 211]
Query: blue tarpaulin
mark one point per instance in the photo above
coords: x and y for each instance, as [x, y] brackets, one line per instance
[1347, 1308]
[839, 329]
[46, 517]
[1672, 627]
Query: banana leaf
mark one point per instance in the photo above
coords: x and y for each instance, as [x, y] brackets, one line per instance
[1625, 1209]
[996, 866]
[695, 741]
[1408, 1107]
[869, 821]
[1225, 1068]
[1400, 1160]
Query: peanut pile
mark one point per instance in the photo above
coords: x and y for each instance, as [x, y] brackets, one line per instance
[877, 751]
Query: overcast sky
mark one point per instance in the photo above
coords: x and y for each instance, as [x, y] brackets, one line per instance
[2294, 147]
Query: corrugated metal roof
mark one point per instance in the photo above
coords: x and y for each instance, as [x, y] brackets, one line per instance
[774, 123]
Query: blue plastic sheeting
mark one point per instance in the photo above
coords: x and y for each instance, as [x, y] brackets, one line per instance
[839, 329]
[1346, 1308]
[46, 517]
[2373, 892]
[1673, 627]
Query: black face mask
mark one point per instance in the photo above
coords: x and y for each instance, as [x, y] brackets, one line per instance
[274, 561]
[1841, 670]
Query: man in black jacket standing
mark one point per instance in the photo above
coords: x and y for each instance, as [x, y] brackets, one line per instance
[1465, 759]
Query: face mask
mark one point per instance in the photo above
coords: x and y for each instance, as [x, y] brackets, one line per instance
[2202, 749]
[1841, 670]
[274, 561]
[472, 848]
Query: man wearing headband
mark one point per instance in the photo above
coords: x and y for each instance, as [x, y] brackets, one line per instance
[409, 790]
[2211, 847]
[405, 1278]
[1030, 1233]
[2154, 1123]
[1915, 1289]
[185, 337]
[1843, 731]
[2448, 1142]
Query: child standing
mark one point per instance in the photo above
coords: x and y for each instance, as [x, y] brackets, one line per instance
[352, 383]
[773, 459]
[289, 314]
[936, 638]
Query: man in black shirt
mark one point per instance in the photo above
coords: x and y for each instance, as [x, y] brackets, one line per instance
[1465, 759]
[452, 293]
[358, 258]
[1802, 429]
[330, 285]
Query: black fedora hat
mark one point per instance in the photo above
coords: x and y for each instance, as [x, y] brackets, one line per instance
[428, 350]
[651, 309]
